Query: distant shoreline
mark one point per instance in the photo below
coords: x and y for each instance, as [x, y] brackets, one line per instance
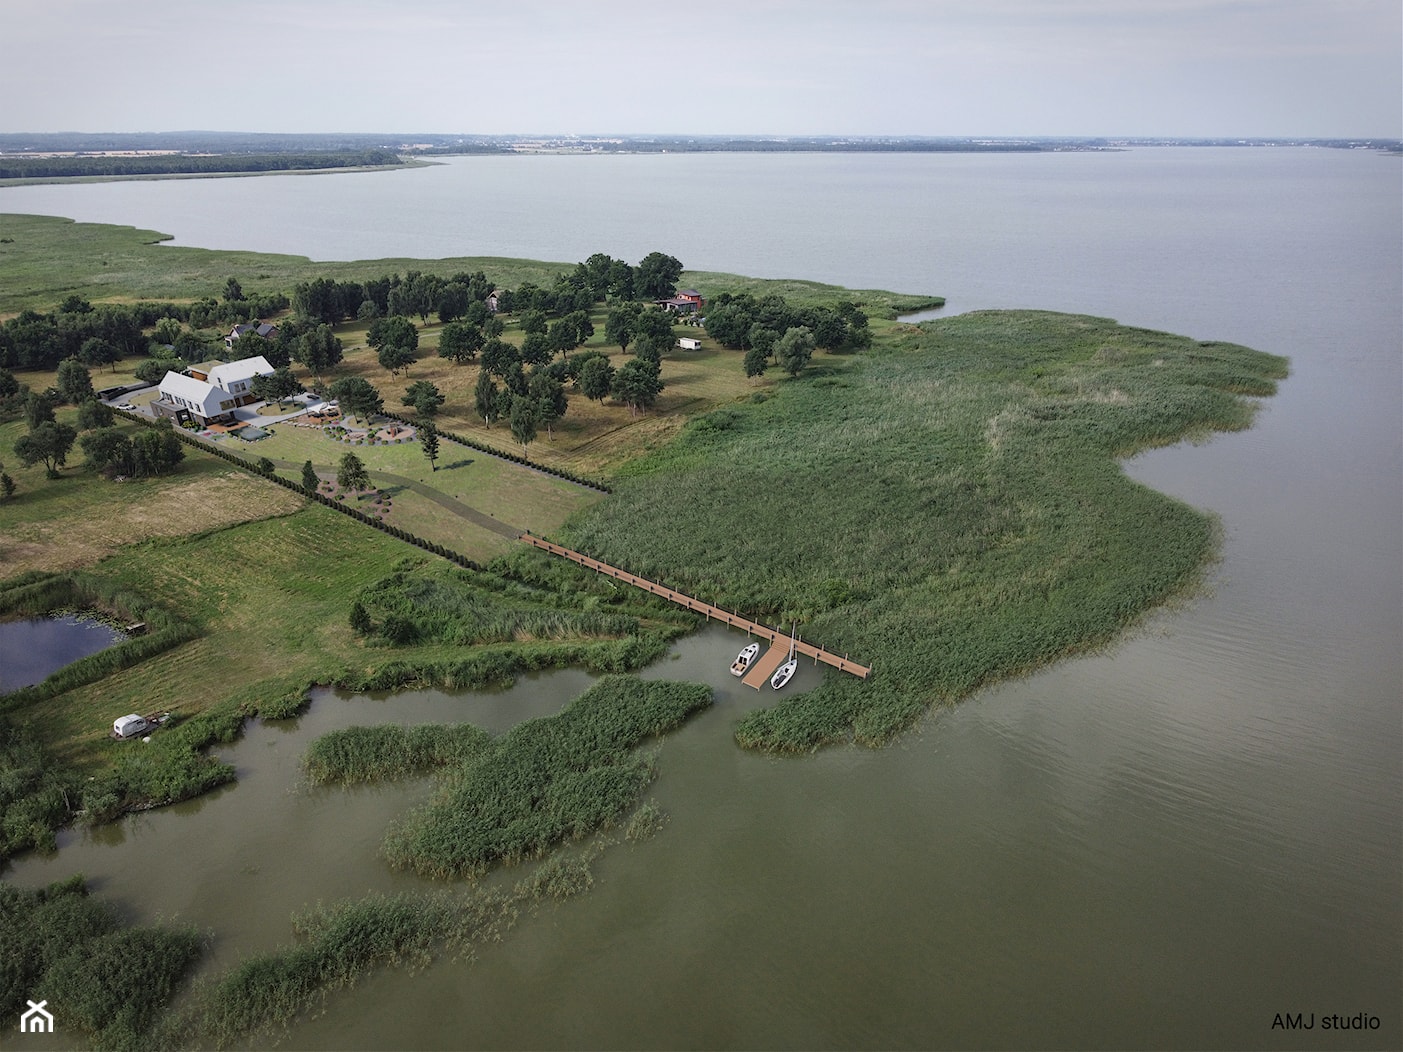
[68, 180]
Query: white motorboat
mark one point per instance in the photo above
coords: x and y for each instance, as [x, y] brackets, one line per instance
[744, 658]
[784, 673]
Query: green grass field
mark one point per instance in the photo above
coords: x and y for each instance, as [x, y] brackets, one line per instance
[45, 258]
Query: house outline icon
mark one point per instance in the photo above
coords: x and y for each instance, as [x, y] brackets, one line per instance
[37, 1020]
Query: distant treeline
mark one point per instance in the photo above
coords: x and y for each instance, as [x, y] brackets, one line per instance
[184, 164]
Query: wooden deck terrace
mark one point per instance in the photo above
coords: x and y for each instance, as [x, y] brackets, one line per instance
[776, 637]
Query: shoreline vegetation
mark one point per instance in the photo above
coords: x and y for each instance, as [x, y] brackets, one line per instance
[27, 169]
[944, 501]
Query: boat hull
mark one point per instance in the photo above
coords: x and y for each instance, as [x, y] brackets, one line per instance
[744, 658]
[783, 674]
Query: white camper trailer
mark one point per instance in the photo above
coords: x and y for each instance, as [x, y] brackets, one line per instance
[129, 726]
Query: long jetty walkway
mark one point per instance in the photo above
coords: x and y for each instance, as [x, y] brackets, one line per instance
[779, 641]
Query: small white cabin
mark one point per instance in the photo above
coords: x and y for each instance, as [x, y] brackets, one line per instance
[129, 726]
[689, 343]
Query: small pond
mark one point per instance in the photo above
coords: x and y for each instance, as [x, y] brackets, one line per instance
[34, 649]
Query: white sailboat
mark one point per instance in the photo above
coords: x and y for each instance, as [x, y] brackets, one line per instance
[744, 658]
[785, 672]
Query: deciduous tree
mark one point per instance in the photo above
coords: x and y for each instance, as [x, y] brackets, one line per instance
[424, 396]
[318, 349]
[38, 409]
[356, 397]
[98, 352]
[656, 276]
[156, 450]
[108, 450]
[279, 386]
[167, 329]
[498, 356]
[93, 414]
[596, 378]
[637, 384]
[394, 357]
[794, 349]
[73, 381]
[351, 474]
[619, 324]
[523, 421]
[485, 397]
[459, 342]
[548, 395]
[536, 349]
[50, 443]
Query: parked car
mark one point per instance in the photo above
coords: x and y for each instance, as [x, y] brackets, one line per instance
[127, 406]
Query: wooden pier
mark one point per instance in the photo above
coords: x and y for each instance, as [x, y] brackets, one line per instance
[779, 641]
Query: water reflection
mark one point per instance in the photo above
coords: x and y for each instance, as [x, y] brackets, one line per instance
[33, 649]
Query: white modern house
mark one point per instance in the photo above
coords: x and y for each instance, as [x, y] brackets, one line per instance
[209, 394]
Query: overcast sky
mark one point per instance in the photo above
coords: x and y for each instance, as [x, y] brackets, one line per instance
[851, 67]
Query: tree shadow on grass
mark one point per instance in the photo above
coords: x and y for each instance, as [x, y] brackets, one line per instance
[455, 464]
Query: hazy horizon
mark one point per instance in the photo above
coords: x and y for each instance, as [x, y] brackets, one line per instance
[675, 134]
[913, 68]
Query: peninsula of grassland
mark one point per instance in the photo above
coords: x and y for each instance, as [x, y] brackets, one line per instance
[947, 506]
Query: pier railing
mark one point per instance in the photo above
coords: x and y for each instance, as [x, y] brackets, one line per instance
[715, 613]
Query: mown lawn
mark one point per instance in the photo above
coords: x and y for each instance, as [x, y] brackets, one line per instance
[517, 497]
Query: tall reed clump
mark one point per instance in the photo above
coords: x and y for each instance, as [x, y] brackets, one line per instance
[340, 943]
[948, 511]
[36, 794]
[457, 611]
[112, 982]
[365, 754]
[546, 781]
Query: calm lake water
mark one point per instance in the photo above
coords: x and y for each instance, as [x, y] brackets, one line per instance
[1161, 845]
[35, 648]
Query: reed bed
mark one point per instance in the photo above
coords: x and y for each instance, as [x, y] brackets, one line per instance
[949, 510]
[451, 610]
[338, 944]
[549, 780]
[99, 977]
[365, 754]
